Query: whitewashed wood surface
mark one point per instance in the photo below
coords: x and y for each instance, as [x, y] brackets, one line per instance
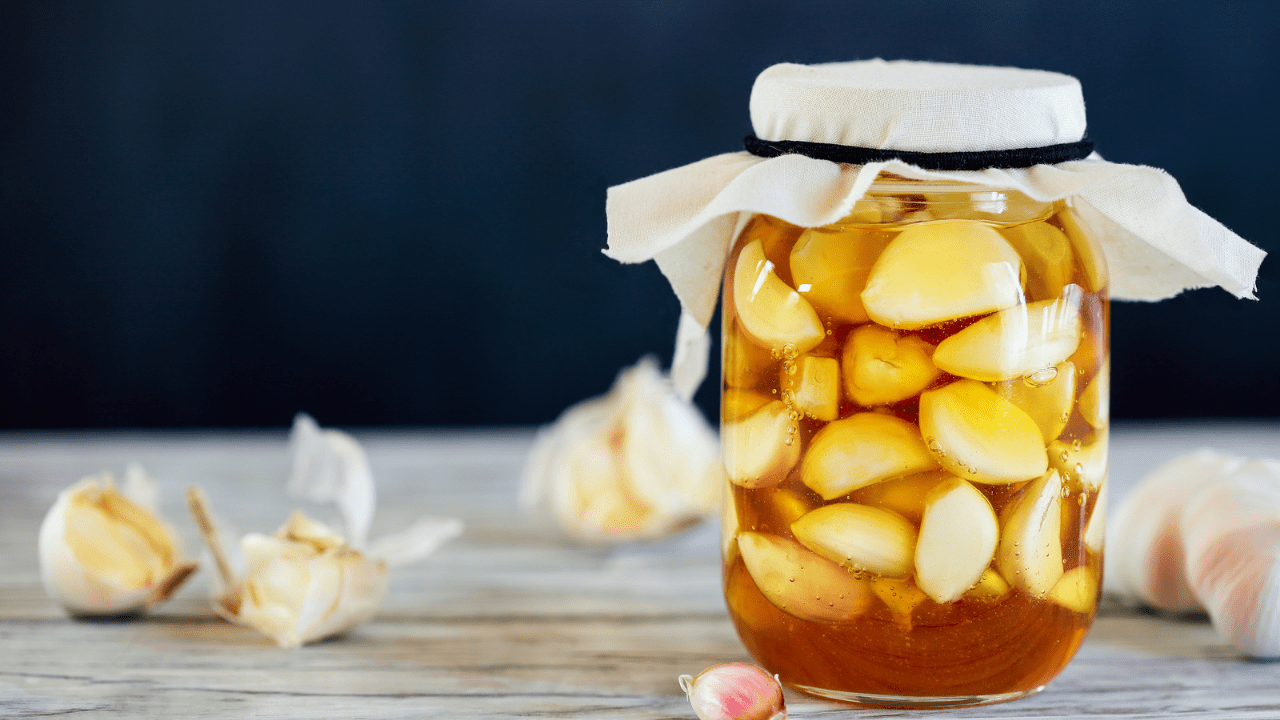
[510, 620]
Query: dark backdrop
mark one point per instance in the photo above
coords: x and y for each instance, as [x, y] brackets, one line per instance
[218, 214]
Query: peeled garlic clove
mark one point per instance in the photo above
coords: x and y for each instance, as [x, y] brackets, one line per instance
[860, 450]
[1015, 342]
[902, 597]
[800, 582]
[1146, 558]
[737, 403]
[1047, 254]
[745, 363]
[859, 537]
[1092, 262]
[103, 554]
[1232, 533]
[990, 587]
[735, 691]
[942, 271]
[760, 449]
[882, 367]
[1082, 464]
[769, 310]
[1095, 529]
[830, 270]
[1030, 551]
[1076, 590]
[814, 385]
[980, 436]
[1045, 395]
[904, 496]
[957, 540]
[1095, 401]
[297, 591]
[638, 462]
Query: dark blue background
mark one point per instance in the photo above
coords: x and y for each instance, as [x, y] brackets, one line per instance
[218, 214]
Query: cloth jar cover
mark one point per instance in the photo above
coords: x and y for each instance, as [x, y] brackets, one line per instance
[1156, 244]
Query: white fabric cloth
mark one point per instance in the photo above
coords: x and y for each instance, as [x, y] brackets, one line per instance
[1155, 243]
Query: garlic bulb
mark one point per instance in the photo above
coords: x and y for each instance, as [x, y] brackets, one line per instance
[1145, 556]
[104, 552]
[638, 462]
[1231, 531]
[735, 691]
[308, 582]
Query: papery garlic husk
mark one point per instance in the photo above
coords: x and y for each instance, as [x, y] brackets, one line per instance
[735, 691]
[1145, 554]
[103, 553]
[1231, 532]
[636, 463]
[303, 584]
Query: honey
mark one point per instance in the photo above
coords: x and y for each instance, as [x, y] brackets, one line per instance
[915, 435]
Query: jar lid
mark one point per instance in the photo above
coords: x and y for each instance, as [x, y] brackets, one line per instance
[917, 106]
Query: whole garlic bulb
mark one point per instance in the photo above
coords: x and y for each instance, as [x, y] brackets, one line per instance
[638, 462]
[104, 553]
[1231, 530]
[1145, 555]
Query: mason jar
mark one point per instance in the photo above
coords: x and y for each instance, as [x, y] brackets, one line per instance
[914, 425]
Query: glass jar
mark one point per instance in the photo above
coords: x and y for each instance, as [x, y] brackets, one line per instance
[914, 424]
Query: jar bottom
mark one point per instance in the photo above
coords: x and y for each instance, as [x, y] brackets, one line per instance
[914, 701]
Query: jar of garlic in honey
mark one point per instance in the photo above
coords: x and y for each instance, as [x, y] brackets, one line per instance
[914, 428]
[916, 261]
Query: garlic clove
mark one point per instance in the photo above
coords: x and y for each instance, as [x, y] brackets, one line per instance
[830, 270]
[1016, 341]
[942, 271]
[737, 403]
[735, 691]
[1231, 530]
[1083, 465]
[882, 367]
[1095, 400]
[800, 582]
[902, 597]
[1096, 527]
[989, 588]
[1092, 264]
[904, 496]
[760, 449]
[861, 450]
[956, 542]
[1029, 555]
[813, 384]
[103, 554]
[1076, 590]
[860, 537]
[745, 363]
[981, 436]
[638, 462]
[1146, 559]
[1047, 254]
[776, 316]
[1045, 395]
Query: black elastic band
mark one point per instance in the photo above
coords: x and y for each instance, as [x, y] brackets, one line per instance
[975, 160]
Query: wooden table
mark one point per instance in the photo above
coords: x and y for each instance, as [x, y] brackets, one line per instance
[510, 620]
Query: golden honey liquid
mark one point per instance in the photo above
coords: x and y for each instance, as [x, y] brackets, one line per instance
[988, 643]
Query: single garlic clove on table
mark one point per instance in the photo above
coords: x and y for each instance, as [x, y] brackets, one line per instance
[800, 582]
[861, 450]
[103, 554]
[735, 691]
[980, 436]
[769, 310]
[940, 271]
[1016, 341]
[859, 537]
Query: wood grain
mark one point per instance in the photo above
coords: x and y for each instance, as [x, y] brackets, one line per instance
[510, 620]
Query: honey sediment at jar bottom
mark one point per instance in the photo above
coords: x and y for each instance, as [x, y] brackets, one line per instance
[970, 647]
[1029, 602]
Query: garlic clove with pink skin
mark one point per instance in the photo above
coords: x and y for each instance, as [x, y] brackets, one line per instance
[735, 691]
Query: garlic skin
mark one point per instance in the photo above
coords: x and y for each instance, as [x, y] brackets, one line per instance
[735, 691]
[636, 463]
[1231, 531]
[1145, 554]
[304, 584]
[103, 553]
